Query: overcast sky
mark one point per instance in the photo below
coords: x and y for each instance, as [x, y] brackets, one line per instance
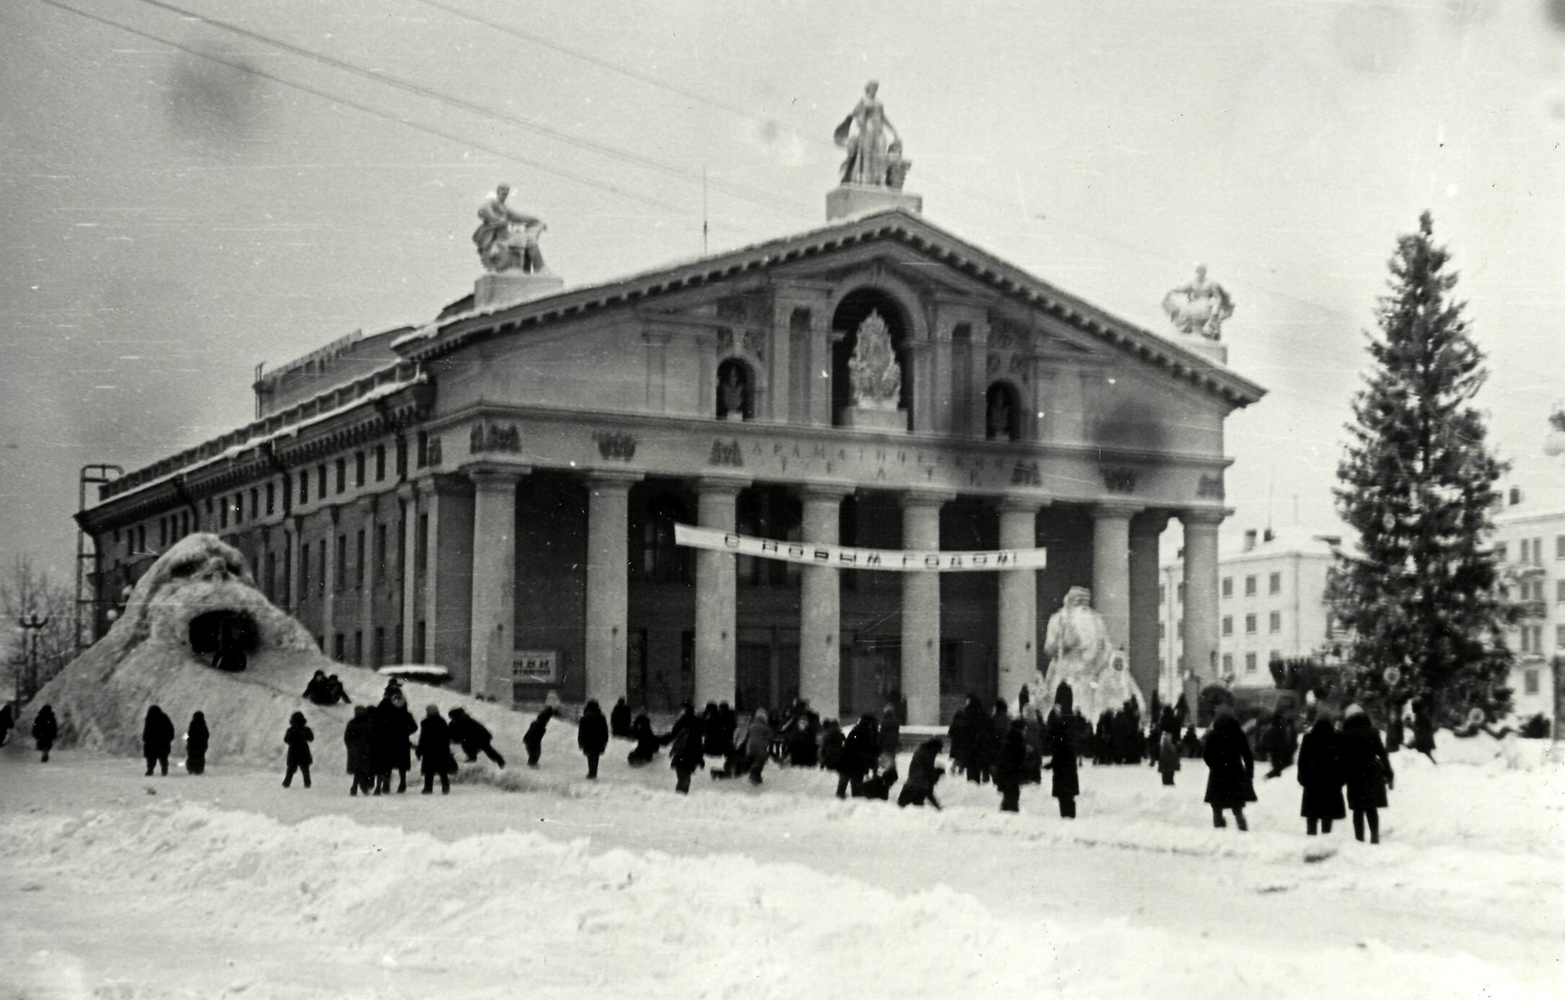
[169, 222]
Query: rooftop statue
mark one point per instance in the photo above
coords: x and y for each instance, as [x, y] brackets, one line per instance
[507, 240]
[1199, 306]
[873, 160]
[873, 368]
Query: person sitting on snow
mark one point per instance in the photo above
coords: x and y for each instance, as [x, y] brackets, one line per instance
[647, 742]
[879, 786]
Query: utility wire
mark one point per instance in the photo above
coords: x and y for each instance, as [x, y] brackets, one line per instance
[675, 171]
[578, 178]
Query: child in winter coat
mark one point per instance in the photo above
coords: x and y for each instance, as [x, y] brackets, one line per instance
[1366, 769]
[1167, 757]
[1320, 774]
[45, 729]
[434, 750]
[196, 741]
[923, 775]
[157, 739]
[533, 739]
[592, 736]
[358, 736]
[298, 739]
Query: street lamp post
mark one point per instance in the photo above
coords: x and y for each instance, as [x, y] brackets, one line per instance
[31, 624]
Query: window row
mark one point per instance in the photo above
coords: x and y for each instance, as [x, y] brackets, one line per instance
[1273, 623]
[1251, 664]
[381, 654]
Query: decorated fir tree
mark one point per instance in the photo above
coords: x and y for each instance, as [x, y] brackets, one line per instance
[1418, 484]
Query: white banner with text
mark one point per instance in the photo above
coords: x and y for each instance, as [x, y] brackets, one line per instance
[844, 557]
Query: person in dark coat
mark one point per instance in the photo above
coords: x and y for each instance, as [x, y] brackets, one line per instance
[1320, 775]
[298, 739]
[923, 775]
[1011, 768]
[685, 753]
[1230, 775]
[1367, 770]
[890, 733]
[859, 752]
[592, 735]
[1167, 754]
[1394, 728]
[999, 725]
[1181, 712]
[434, 751]
[1423, 730]
[45, 729]
[961, 736]
[647, 742]
[157, 739]
[1280, 742]
[878, 786]
[394, 726]
[1190, 744]
[318, 691]
[802, 740]
[619, 721]
[197, 739]
[832, 742]
[533, 738]
[1061, 743]
[713, 743]
[471, 735]
[7, 722]
[358, 736]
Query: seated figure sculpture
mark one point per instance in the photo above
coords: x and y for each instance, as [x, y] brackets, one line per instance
[507, 239]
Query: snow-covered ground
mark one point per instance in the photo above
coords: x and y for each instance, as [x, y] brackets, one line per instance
[538, 883]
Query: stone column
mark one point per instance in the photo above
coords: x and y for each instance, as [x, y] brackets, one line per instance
[1201, 574]
[493, 635]
[1018, 646]
[329, 597]
[921, 610]
[1145, 530]
[367, 584]
[407, 499]
[608, 568]
[715, 595]
[1111, 568]
[820, 610]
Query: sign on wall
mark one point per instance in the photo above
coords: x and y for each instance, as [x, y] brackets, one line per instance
[535, 666]
[844, 557]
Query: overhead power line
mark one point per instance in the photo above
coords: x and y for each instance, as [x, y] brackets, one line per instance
[630, 157]
[386, 116]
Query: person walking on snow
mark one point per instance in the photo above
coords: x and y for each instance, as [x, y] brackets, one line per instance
[1280, 743]
[394, 726]
[197, 739]
[470, 734]
[684, 753]
[592, 736]
[533, 739]
[1011, 768]
[45, 729]
[859, 752]
[1230, 778]
[434, 751]
[1367, 770]
[1320, 775]
[157, 739]
[358, 736]
[757, 745]
[1167, 754]
[619, 721]
[298, 739]
[1423, 729]
[890, 733]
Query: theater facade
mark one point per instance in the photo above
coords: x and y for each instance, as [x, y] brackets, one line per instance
[496, 491]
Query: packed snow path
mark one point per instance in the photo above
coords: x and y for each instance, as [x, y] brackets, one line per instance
[228, 885]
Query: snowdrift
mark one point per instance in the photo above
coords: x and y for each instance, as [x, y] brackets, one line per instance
[154, 655]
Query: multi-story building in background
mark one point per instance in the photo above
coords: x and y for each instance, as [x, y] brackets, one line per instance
[1271, 606]
[1529, 538]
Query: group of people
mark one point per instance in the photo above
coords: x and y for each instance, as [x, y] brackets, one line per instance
[378, 744]
[326, 691]
[157, 742]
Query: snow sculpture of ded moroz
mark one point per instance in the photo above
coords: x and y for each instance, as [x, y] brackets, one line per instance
[1076, 641]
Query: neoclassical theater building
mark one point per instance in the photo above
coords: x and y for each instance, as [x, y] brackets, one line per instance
[496, 491]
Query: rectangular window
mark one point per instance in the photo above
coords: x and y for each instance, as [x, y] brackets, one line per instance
[1228, 586]
[339, 647]
[1559, 546]
[380, 550]
[1559, 637]
[1274, 623]
[1526, 636]
[402, 456]
[1530, 682]
[358, 647]
[255, 502]
[1274, 585]
[1181, 593]
[321, 583]
[271, 499]
[320, 481]
[1249, 663]
[378, 651]
[222, 514]
[421, 551]
[1537, 552]
[1500, 552]
[1249, 586]
[287, 577]
[271, 577]
[1228, 663]
[340, 578]
[239, 509]
[1228, 624]
[304, 569]
[1162, 594]
[358, 559]
[304, 485]
[162, 532]
[423, 449]
[342, 475]
[1249, 624]
[402, 550]
[380, 462]
[358, 468]
[1181, 628]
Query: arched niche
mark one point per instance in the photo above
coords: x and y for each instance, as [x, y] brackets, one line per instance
[850, 312]
[1002, 412]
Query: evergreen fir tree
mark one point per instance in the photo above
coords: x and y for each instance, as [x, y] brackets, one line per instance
[1418, 485]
